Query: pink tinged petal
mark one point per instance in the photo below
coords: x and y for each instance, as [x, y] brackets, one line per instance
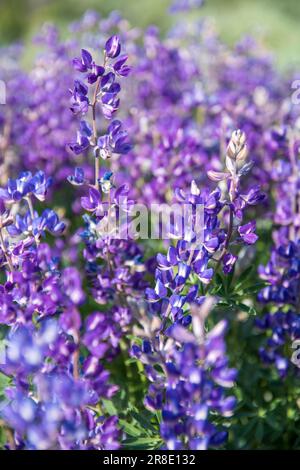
[217, 176]
[250, 238]
[181, 334]
[247, 228]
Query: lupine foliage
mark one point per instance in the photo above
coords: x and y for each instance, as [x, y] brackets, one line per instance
[110, 341]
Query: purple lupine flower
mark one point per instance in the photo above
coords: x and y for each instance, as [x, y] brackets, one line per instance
[190, 381]
[52, 222]
[25, 185]
[83, 138]
[283, 328]
[92, 202]
[39, 185]
[18, 188]
[97, 331]
[39, 224]
[254, 196]
[87, 64]
[172, 303]
[113, 47]
[84, 63]
[247, 233]
[114, 142]
[26, 350]
[185, 5]
[80, 145]
[23, 225]
[78, 178]
[45, 425]
[110, 102]
[56, 401]
[97, 71]
[71, 281]
[120, 66]
[61, 387]
[229, 261]
[36, 225]
[80, 100]
[282, 272]
[106, 93]
[191, 256]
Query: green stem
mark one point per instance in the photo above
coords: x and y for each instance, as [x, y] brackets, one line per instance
[95, 134]
[9, 434]
[30, 205]
[228, 237]
[3, 247]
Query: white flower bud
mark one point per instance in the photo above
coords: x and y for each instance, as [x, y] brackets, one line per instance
[237, 148]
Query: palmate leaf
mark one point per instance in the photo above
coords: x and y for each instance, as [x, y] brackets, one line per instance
[140, 432]
[144, 420]
[140, 427]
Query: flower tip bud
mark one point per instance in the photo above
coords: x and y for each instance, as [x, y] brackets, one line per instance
[237, 148]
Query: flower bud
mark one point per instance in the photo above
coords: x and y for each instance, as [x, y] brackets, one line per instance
[217, 175]
[237, 148]
[113, 47]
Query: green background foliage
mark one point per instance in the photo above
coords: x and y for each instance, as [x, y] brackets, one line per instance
[276, 21]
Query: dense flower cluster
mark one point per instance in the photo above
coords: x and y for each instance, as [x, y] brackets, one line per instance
[191, 380]
[114, 265]
[35, 132]
[52, 395]
[282, 271]
[183, 104]
[192, 255]
[56, 412]
[174, 298]
[106, 93]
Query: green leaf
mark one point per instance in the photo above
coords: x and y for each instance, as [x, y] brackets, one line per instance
[247, 308]
[130, 428]
[243, 277]
[216, 289]
[110, 407]
[259, 432]
[255, 287]
[144, 421]
[219, 282]
[245, 274]
[4, 382]
[143, 443]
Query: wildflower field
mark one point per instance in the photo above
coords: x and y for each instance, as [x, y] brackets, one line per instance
[149, 240]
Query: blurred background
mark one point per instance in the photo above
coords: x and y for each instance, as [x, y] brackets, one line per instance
[277, 21]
